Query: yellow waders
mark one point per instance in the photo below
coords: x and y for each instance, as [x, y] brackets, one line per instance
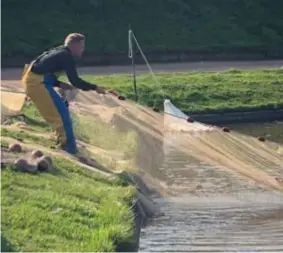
[51, 107]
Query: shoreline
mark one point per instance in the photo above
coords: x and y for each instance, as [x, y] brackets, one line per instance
[239, 117]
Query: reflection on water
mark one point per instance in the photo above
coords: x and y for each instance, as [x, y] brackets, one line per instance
[215, 224]
[215, 210]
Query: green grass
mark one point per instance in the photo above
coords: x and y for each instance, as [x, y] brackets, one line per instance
[4, 144]
[34, 119]
[26, 136]
[204, 92]
[92, 131]
[102, 135]
[70, 210]
[195, 25]
[34, 122]
[89, 130]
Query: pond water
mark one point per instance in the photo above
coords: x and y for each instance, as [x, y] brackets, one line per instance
[273, 131]
[216, 210]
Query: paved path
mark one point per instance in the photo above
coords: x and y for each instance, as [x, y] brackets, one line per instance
[15, 74]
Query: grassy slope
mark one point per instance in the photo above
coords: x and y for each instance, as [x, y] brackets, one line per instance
[70, 210]
[161, 25]
[205, 92]
[103, 136]
[100, 134]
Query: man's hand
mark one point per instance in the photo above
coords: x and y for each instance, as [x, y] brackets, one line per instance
[100, 90]
[66, 86]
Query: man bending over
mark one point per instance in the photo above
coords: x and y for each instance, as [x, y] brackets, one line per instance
[41, 77]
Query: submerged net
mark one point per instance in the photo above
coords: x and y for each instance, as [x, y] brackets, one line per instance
[160, 134]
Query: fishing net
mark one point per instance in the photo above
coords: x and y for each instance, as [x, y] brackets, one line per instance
[158, 135]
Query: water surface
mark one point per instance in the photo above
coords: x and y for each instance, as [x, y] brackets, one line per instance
[215, 209]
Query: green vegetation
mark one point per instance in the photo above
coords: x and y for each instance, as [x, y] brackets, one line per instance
[35, 123]
[160, 25]
[103, 135]
[70, 209]
[99, 134]
[204, 92]
[34, 119]
[24, 135]
[4, 144]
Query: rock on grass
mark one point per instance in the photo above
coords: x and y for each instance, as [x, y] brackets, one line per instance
[36, 153]
[44, 163]
[15, 148]
[20, 164]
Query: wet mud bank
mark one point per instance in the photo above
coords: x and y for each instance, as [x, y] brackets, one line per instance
[254, 116]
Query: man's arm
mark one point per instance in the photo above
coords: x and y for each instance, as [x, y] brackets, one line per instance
[74, 79]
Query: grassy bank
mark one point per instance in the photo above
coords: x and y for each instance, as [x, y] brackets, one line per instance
[100, 135]
[70, 209]
[179, 25]
[204, 92]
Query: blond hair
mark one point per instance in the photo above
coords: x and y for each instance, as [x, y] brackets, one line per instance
[73, 38]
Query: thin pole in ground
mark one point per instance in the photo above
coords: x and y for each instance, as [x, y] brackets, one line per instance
[132, 56]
